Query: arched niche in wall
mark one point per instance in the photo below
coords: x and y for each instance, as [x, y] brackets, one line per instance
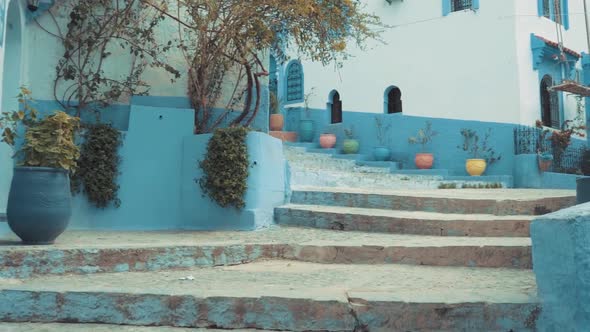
[392, 100]
[11, 78]
[335, 107]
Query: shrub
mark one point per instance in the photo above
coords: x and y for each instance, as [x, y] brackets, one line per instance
[225, 167]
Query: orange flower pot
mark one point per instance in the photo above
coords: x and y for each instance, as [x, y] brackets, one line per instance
[277, 121]
[327, 141]
[424, 160]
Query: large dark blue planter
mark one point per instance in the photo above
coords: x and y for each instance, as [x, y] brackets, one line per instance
[583, 190]
[306, 130]
[39, 204]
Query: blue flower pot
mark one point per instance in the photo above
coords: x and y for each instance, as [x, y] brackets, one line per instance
[306, 130]
[39, 204]
[382, 153]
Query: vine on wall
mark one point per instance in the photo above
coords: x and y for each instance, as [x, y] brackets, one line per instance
[98, 31]
[225, 167]
[98, 166]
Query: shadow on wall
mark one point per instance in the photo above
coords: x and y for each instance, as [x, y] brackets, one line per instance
[444, 146]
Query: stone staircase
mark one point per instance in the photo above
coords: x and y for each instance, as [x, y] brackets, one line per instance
[338, 260]
[324, 168]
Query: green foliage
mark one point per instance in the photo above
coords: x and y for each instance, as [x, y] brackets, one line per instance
[10, 120]
[495, 185]
[447, 186]
[424, 136]
[226, 167]
[50, 142]
[274, 103]
[98, 166]
[473, 146]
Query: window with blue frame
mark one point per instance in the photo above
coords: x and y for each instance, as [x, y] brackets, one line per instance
[294, 83]
[450, 6]
[555, 10]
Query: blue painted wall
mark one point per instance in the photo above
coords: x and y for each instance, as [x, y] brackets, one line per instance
[266, 186]
[527, 175]
[159, 166]
[561, 262]
[444, 146]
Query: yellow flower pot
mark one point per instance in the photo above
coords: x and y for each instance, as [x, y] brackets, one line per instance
[476, 167]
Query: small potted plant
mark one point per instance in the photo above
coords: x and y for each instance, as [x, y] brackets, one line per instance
[544, 155]
[350, 145]
[424, 137]
[277, 121]
[39, 202]
[382, 152]
[483, 155]
[306, 126]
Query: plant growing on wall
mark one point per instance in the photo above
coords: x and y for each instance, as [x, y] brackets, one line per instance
[479, 149]
[424, 136]
[98, 32]
[228, 39]
[225, 167]
[98, 166]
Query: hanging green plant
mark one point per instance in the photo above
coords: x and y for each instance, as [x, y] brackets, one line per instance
[225, 167]
[98, 166]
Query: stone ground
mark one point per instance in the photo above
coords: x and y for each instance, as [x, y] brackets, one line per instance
[32, 327]
[272, 235]
[286, 279]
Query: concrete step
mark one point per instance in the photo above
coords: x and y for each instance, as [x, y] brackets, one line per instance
[500, 202]
[71, 327]
[402, 222]
[100, 252]
[282, 295]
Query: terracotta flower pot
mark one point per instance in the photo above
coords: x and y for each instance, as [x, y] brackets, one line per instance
[277, 121]
[424, 160]
[475, 167]
[545, 164]
[327, 141]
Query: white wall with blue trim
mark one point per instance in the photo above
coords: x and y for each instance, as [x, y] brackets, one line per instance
[473, 64]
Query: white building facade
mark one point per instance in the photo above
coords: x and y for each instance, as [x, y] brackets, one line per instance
[482, 60]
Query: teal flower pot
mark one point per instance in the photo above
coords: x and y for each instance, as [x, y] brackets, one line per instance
[306, 130]
[382, 153]
[39, 204]
[350, 146]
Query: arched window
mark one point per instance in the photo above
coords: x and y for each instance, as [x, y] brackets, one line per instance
[294, 83]
[393, 100]
[335, 107]
[549, 104]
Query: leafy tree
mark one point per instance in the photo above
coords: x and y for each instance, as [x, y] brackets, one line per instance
[220, 39]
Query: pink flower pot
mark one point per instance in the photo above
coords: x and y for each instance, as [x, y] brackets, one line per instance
[327, 141]
[424, 160]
